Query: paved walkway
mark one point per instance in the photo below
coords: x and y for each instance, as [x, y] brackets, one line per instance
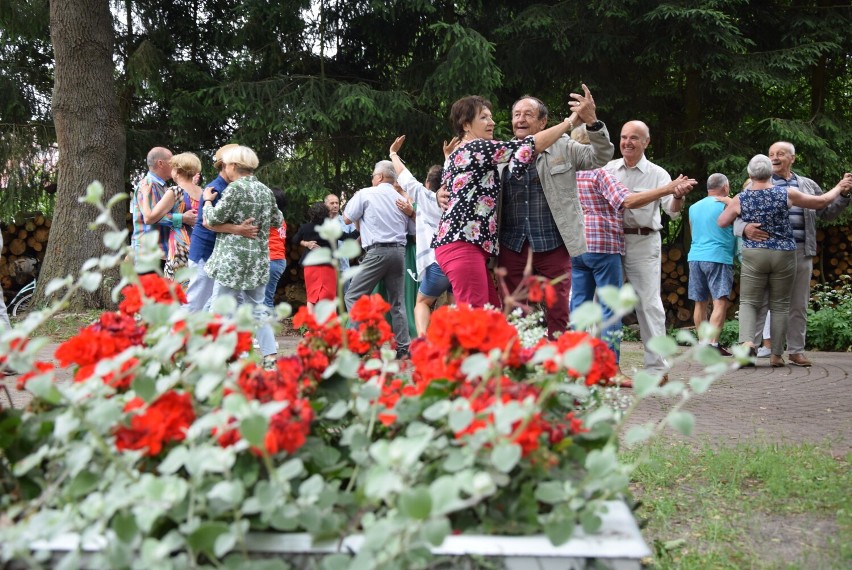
[789, 404]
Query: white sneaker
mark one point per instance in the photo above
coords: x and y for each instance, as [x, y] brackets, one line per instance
[764, 352]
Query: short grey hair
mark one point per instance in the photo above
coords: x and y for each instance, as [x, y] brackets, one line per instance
[759, 167]
[789, 146]
[386, 169]
[716, 181]
[157, 153]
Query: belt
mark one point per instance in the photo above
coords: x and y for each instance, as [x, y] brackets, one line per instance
[640, 231]
[391, 244]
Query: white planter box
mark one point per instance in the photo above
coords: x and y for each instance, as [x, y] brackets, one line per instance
[618, 546]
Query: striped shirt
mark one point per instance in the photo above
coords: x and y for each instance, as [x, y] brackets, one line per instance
[797, 214]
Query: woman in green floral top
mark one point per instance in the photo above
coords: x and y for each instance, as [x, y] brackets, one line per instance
[240, 265]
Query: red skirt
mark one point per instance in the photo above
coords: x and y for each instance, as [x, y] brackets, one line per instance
[320, 282]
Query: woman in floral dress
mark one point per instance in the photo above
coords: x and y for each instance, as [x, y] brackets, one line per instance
[240, 265]
[771, 263]
[467, 234]
[183, 197]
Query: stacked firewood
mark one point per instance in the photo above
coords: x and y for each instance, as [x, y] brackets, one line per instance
[24, 244]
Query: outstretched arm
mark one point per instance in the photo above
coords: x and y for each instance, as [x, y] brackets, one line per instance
[680, 185]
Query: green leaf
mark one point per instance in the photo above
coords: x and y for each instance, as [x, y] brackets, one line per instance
[319, 256]
[436, 530]
[707, 355]
[701, 384]
[253, 429]
[437, 410]
[476, 366]
[416, 503]
[505, 456]
[229, 493]
[203, 539]
[550, 492]
[579, 358]
[83, 484]
[644, 383]
[173, 461]
[337, 410]
[43, 387]
[460, 416]
[586, 316]
[663, 345]
[559, 531]
[348, 250]
[90, 281]
[590, 521]
[637, 434]
[336, 562]
[225, 543]
[683, 422]
[124, 525]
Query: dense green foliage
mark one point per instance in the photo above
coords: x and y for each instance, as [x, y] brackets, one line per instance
[320, 89]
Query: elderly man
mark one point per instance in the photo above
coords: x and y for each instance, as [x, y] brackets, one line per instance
[641, 261]
[540, 211]
[782, 154]
[383, 229]
[159, 171]
[604, 199]
[711, 258]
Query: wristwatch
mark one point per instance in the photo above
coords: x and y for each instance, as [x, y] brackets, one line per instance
[596, 126]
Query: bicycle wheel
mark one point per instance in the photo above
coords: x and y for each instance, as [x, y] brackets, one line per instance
[22, 305]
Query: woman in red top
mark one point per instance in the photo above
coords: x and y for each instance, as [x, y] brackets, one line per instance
[277, 250]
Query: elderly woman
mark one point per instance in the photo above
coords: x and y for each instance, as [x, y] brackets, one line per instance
[240, 265]
[181, 198]
[467, 234]
[769, 264]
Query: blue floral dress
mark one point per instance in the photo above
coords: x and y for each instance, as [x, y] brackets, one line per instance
[768, 207]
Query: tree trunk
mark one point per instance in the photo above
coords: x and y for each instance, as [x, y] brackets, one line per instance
[91, 140]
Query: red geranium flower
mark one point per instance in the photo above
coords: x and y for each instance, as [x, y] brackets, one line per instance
[151, 286]
[165, 420]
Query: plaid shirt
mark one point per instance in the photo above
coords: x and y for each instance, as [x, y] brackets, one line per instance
[602, 196]
[526, 215]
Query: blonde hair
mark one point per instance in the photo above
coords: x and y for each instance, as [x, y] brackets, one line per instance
[243, 157]
[217, 158]
[186, 164]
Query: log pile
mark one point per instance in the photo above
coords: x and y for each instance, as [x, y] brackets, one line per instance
[834, 258]
[24, 240]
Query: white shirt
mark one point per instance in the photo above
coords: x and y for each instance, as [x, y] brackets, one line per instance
[644, 176]
[381, 220]
[428, 216]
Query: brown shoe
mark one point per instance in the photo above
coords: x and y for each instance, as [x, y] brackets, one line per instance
[800, 360]
[776, 361]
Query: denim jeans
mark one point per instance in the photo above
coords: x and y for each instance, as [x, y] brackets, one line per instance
[262, 315]
[588, 272]
[276, 270]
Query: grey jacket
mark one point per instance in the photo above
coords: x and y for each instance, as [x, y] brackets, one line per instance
[828, 213]
[557, 168]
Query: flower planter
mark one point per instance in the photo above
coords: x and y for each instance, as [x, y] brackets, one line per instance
[618, 546]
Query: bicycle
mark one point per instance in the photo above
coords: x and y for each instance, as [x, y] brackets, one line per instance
[22, 300]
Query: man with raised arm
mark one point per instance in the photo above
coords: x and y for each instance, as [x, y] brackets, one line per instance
[540, 211]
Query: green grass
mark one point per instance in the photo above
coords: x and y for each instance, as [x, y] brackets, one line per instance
[64, 325]
[750, 506]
